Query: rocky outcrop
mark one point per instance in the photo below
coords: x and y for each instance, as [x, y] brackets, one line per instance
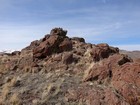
[122, 79]
[56, 42]
[126, 81]
[78, 39]
[58, 31]
[58, 70]
[105, 69]
[102, 51]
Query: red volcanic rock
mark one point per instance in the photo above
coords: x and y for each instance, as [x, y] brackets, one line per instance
[15, 53]
[78, 39]
[67, 58]
[94, 95]
[127, 81]
[31, 46]
[58, 31]
[62, 70]
[55, 43]
[66, 45]
[102, 51]
[104, 70]
[34, 43]
[124, 77]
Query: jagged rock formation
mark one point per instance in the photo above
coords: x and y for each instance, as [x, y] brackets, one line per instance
[58, 70]
[56, 42]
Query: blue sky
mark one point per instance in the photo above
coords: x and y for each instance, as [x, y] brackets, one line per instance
[116, 22]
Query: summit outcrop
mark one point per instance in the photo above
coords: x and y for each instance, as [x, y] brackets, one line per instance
[59, 70]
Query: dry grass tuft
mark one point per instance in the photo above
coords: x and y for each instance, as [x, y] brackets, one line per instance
[5, 91]
[88, 72]
[13, 81]
[14, 100]
[52, 90]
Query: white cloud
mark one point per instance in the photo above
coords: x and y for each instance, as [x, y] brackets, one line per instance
[95, 24]
[18, 37]
[15, 36]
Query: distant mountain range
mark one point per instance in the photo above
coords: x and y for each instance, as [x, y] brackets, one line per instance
[6, 51]
[132, 54]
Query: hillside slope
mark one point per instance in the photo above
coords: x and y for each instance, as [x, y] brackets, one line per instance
[58, 70]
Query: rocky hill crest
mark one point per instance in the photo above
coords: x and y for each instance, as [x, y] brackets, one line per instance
[58, 70]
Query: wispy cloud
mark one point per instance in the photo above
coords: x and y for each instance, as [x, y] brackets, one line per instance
[23, 35]
[114, 22]
[18, 37]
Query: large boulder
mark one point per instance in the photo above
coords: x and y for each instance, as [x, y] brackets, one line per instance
[121, 74]
[66, 45]
[78, 39]
[105, 69]
[56, 42]
[58, 31]
[127, 81]
[103, 50]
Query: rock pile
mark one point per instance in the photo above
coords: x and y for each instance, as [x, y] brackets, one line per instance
[55, 42]
[61, 70]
